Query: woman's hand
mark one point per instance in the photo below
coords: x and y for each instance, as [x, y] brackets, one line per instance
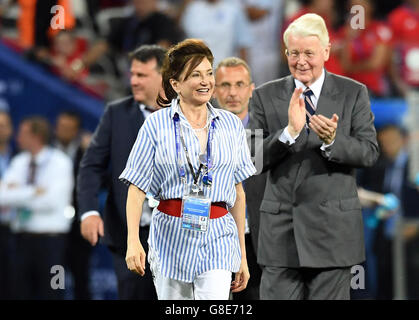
[135, 257]
[242, 278]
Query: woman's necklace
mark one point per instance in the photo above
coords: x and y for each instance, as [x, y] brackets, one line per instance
[201, 129]
[206, 124]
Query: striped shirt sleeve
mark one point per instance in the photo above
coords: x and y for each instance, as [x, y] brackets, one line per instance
[244, 164]
[140, 163]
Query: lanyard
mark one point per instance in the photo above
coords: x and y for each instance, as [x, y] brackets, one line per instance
[207, 179]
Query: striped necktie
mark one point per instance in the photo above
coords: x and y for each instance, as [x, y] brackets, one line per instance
[32, 172]
[310, 108]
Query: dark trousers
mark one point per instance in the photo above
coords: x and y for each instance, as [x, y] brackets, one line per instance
[252, 290]
[384, 251]
[132, 286]
[35, 256]
[78, 254]
[279, 283]
[6, 260]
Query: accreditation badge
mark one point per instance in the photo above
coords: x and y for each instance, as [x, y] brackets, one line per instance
[196, 212]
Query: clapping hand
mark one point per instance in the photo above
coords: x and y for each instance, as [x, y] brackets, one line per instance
[324, 127]
[296, 113]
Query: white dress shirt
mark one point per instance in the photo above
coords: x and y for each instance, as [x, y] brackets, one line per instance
[316, 87]
[39, 212]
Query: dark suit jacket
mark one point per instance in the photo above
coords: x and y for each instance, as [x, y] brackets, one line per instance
[109, 150]
[310, 213]
[254, 188]
[373, 179]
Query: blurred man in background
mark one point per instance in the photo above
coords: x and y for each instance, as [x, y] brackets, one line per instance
[404, 22]
[223, 25]
[110, 146]
[38, 184]
[6, 251]
[390, 175]
[233, 90]
[146, 25]
[70, 140]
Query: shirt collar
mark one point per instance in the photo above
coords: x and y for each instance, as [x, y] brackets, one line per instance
[245, 120]
[42, 155]
[316, 86]
[146, 108]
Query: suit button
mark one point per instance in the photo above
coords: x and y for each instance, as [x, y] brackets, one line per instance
[294, 204]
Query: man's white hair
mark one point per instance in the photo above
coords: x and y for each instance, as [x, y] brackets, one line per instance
[310, 24]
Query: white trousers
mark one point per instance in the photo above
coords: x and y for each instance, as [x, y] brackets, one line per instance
[210, 285]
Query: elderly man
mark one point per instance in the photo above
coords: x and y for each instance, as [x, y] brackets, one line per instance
[38, 184]
[318, 127]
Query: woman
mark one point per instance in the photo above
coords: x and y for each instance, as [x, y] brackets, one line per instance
[193, 158]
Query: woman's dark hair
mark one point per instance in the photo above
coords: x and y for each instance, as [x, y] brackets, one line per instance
[188, 53]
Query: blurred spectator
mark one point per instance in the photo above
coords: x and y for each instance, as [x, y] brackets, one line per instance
[389, 175]
[67, 133]
[6, 131]
[66, 54]
[233, 91]
[265, 19]
[70, 140]
[6, 249]
[65, 58]
[327, 10]
[404, 22]
[223, 26]
[4, 6]
[172, 8]
[146, 25]
[366, 52]
[38, 184]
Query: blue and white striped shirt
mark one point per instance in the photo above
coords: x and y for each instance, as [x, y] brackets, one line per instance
[152, 166]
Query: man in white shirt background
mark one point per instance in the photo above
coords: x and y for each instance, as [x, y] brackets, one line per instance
[265, 19]
[6, 240]
[233, 90]
[223, 25]
[73, 141]
[38, 184]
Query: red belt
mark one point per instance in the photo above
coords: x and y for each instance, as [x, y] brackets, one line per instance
[173, 207]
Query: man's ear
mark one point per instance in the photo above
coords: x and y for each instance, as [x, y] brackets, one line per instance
[252, 87]
[327, 52]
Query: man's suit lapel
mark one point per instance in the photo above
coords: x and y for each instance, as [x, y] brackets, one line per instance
[329, 103]
[283, 98]
[136, 119]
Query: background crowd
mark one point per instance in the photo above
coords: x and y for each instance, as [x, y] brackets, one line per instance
[91, 56]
